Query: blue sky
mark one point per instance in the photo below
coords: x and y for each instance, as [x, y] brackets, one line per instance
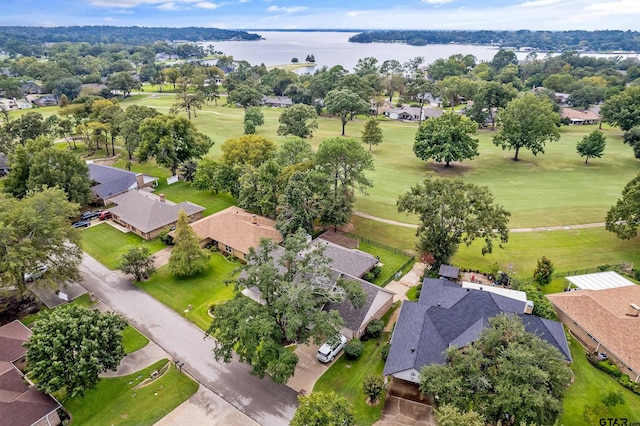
[369, 14]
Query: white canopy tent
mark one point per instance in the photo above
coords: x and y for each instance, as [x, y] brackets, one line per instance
[599, 281]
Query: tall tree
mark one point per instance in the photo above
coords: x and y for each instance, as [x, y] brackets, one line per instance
[253, 117]
[623, 110]
[247, 150]
[294, 285]
[245, 96]
[71, 345]
[123, 82]
[372, 133]
[138, 262]
[543, 274]
[299, 120]
[187, 258]
[632, 138]
[446, 138]
[528, 122]
[592, 145]
[506, 375]
[345, 104]
[323, 409]
[452, 212]
[490, 98]
[450, 415]
[171, 140]
[624, 217]
[35, 232]
[189, 102]
[298, 205]
[294, 151]
[129, 127]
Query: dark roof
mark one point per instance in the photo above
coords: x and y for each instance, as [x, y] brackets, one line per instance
[449, 315]
[449, 271]
[12, 337]
[348, 261]
[110, 180]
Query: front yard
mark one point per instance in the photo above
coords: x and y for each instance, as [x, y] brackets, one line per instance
[106, 244]
[200, 291]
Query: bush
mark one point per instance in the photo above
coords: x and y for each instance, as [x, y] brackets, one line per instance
[374, 328]
[369, 276]
[353, 349]
[166, 238]
[609, 368]
[385, 350]
[372, 386]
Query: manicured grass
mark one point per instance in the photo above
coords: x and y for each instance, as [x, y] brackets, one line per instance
[199, 291]
[82, 300]
[115, 401]
[391, 260]
[133, 340]
[345, 377]
[183, 191]
[589, 387]
[106, 244]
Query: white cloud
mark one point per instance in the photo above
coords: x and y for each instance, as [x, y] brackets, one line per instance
[539, 3]
[168, 6]
[136, 3]
[436, 1]
[292, 9]
[354, 13]
[244, 1]
[207, 5]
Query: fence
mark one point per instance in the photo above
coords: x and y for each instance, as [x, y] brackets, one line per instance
[403, 269]
[377, 244]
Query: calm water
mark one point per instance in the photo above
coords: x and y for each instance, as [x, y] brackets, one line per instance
[333, 48]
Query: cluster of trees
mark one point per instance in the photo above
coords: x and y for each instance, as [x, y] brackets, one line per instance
[291, 184]
[543, 40]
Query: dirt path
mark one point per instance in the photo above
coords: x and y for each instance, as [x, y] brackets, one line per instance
[538, 229]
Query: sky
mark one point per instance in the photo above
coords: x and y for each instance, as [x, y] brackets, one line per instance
[330, 14]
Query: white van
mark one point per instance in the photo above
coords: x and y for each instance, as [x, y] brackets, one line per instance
[329, 350]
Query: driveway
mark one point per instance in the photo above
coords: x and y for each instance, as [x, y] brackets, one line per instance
[308, 370]
[262, 400]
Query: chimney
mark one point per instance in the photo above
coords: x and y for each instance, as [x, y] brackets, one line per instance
[140, 180]
[162, 198]
[633, 310]
[528, 307]
[254, 219]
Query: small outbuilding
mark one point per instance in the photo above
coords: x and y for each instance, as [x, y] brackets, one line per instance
[599, 281]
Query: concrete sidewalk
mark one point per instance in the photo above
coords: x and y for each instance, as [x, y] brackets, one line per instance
[136, 361]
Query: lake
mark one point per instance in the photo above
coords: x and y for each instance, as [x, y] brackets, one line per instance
[333, 48]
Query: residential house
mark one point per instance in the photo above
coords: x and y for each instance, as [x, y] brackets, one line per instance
[45, 100]
[94, 89]
[576, 116]
[31, 88]
[407, 113]
[606, 320]
[234, 230]
[110, 181]
[277, 101]
[4, 165]
[21, 404]
[449, 315]
[148, 215]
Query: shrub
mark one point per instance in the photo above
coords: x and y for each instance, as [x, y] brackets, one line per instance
[353, 349]
[372, 386]
[376, 271]
[385, 350]
[166, 238]
[369, 276]
[609, 368]
[374, 328]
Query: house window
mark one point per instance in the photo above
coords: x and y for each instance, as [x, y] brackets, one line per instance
[228, 249]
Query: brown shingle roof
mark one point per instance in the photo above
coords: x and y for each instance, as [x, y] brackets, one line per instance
[575, 114]
[12, 336]
[602, 314]
[233, 227]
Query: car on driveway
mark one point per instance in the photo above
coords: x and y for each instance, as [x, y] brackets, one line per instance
[104, 215]
[332, 348]
[36, 273]
[90, 215]
[81, 224]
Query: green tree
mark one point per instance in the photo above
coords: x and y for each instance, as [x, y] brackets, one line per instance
[613, 398]
[129, 127]
[592, 145]
[345, 104]
[490, 98]
[298, 120]
[623, 110]
[373, 386]
[171, 140]
[632, 138]
[543, 274]
[245, 96]
[247, 150]
[372, 133]
[71, 345]
[123, 82]
[623, 218]
[323, 409]
[189, 102]
[187, 258]
[138, 262]
[450, 415]
[35, 232]
[294, 285]
[507, 373]
[298, 205]
[171, 75]
[528, 122]
[294, 151]
[452, 212]
[253, 117]
[446, 138]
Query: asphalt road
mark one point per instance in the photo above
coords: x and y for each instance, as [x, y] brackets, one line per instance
[264, 401]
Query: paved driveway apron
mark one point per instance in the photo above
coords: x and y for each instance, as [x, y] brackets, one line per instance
[262, 400]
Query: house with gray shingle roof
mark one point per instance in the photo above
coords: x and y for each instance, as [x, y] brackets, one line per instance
[110, 181]
[148, 215]
[449, 315]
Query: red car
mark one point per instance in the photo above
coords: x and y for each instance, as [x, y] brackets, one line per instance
[105, 215]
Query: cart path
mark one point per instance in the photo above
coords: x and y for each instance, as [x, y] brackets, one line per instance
[516, 230]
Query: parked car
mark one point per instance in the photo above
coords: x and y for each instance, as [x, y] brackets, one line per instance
[81, 224]
[602, 356]
[332, 348]
[36, 273]
[90, 215]
[105, 215]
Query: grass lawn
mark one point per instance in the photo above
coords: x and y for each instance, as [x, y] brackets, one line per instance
[133, 340]
[105, 243]
[392, 261]
[83, 300]
[199, 292]
[183, 191]
[345, 378]
[589, 387]
[115, 401]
